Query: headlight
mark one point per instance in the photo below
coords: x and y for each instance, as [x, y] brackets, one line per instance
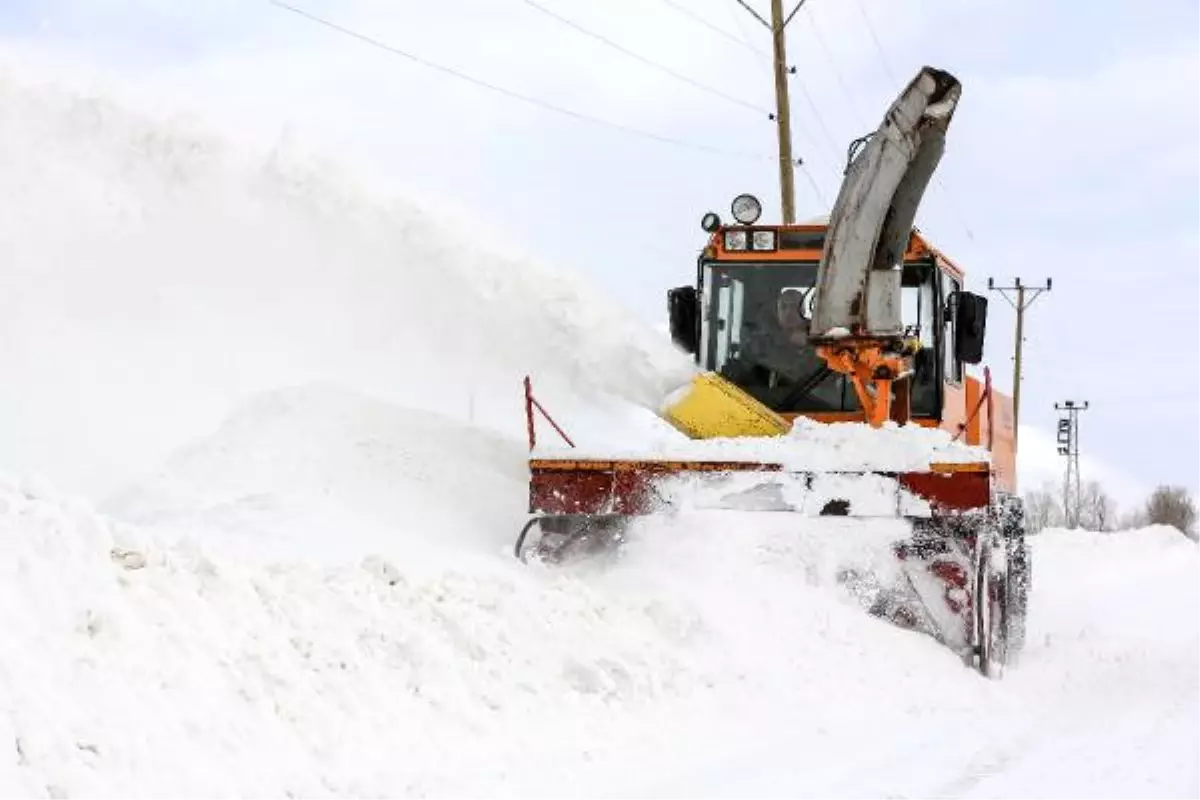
[746, 209]
[763, 240]
[735, 240]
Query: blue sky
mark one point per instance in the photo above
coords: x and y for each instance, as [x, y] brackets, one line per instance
[1074, 154]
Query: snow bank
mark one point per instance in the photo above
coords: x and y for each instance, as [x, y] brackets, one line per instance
[136, 666]
[1089, 613]
[323, 472]
[713, 659]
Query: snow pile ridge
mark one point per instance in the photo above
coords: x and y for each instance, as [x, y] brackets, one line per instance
[321, 469]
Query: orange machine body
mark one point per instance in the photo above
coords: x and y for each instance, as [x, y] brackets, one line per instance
[971, 409]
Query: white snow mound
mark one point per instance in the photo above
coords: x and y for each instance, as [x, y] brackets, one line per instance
[137, 665]
[324, 471]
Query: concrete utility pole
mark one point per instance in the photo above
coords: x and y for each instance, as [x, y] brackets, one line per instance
[1025, 297]
[1068, 445]
[783, 113]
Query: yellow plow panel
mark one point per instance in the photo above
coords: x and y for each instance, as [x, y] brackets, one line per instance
[712, 407]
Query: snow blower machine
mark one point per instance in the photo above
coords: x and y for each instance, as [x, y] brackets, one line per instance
[853, 322]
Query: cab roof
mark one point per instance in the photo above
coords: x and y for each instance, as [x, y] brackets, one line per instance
[805, 242]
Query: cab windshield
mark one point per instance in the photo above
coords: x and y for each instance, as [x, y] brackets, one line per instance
[755, 333]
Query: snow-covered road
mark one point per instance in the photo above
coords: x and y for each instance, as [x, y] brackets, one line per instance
[1106, 702]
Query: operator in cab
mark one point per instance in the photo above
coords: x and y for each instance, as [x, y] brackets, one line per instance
[775, 361]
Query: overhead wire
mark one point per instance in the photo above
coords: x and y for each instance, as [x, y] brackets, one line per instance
[768, 64]
[766, 61]
[812, 106]
[766, 57]
[837, 73]
[646, 61]
[684, 10]
[812, 182]
[739, 22]
[512, 94]
[887, 67]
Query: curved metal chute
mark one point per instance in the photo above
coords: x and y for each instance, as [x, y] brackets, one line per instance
[858, 281]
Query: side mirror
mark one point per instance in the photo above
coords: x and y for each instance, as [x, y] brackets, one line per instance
[970, 325]
[683, 310]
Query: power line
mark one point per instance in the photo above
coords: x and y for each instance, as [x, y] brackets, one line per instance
[875, 38]
[812, 105]
[887, 67]
[837, 73]
[714, 28]
[653, 64]
[768, 60]
[816, 189]
[514, 95]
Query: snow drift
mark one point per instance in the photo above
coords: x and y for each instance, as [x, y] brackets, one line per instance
[156, 275]
[322, 472]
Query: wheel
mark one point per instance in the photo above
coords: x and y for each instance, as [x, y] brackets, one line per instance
[1018, 575]
[570, 536]
[990, 603]
[1017, 597]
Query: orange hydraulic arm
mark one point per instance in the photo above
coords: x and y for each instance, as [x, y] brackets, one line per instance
[875, 367]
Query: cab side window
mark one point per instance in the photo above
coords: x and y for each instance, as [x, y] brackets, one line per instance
[953, 367]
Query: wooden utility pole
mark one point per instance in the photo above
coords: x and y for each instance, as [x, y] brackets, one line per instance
[783, 113]
[1020, 305]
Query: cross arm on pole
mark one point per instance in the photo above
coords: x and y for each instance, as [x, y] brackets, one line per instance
[755, 14]
[1027, 293]
[1034, 294]
[793, 13]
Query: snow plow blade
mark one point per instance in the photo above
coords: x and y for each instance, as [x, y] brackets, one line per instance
[954, 563]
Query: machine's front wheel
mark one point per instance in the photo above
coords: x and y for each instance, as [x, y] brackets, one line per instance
[569, 536]
[991, 607]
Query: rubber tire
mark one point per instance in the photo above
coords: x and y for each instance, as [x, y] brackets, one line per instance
[991, 617]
